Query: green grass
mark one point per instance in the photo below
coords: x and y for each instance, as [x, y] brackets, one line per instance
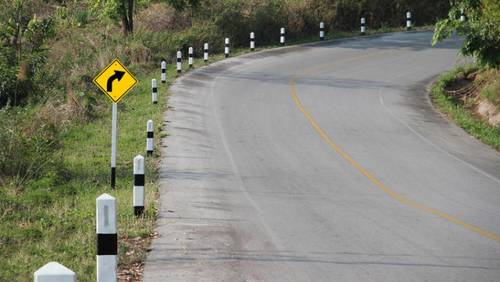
[53, 218]
[460, 114]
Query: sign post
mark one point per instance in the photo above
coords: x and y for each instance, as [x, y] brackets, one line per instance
[115, 80]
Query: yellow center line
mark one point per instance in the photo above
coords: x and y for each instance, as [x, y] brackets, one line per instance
[391, 193]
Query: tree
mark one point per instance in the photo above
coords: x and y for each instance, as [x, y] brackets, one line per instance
[481, 29]
[122, 10]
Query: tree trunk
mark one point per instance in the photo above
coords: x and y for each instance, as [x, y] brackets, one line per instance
[130, 16]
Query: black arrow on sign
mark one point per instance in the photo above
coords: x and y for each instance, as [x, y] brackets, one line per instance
[118, 75]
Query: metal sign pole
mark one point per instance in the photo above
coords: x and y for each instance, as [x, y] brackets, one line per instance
[113, 144]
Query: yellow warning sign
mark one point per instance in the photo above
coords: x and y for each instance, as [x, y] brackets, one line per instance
[115, 80]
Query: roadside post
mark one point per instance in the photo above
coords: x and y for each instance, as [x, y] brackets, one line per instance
[321, 31]
[190, 59]
[252, 41]
[282, 36]
[462, 15]
[107, 239]
[205, 52]
[154, 91]
[226, 47]
[363, 26]
[139, 180]
[149, 138]
[115, 80]
[163, 71]
[408, 20]
[179, 62]
[54, 272]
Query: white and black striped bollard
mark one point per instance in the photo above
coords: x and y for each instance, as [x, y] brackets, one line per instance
[205, 52]
[163, 71]
[149, 138]
[226, 47]
[462, 16]
[54, 272]
[321, 31]
[282, 36]
[138, 196]
[107, 239]
[363, 26]
[154, 91]
[179, 61]
[408, 20]
[190, 59]
[252, 41]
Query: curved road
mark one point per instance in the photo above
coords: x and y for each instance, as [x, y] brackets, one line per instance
[324, 162]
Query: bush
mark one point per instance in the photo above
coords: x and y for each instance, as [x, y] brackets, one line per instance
[481, 29]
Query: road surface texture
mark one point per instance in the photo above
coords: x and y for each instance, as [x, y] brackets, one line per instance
[324, 162]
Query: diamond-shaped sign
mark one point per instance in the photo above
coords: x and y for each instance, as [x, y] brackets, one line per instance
[115, 80]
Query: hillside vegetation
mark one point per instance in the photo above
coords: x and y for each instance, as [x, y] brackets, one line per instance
[55, 124]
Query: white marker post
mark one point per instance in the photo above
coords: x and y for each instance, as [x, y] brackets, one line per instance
[252, 41]
[163, 71]
[179, 61]
[321, 31]
[114, 117]
[54, 272]
[282, 36]
[408, 20]
[107, 239]
[363, 26]
[205, 52]
[149, 138]
[154, 91]
[226, 47]
[190, 60]
[139, 180]
[462, 16]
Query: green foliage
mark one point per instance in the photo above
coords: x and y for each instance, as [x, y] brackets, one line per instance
[485, 132]
[481, 29]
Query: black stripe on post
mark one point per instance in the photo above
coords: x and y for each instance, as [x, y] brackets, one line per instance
[113, 177]
[138, 211]
[150, 134]
[139, 179]
[107, 244]
[155, 90]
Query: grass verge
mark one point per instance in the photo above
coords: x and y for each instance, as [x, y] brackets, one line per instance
[460, 112]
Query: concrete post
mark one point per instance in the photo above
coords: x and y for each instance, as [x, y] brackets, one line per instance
[226, 47]
[321, 31]
[138, 196]
[205, 52]
[149, 138]
[363, 26]
[154, 91]
[54, 272]
[179, 62]
[282, 36]
[408, 20]
[252, 41]
[190, 59]
[107, 239]
[163, 71]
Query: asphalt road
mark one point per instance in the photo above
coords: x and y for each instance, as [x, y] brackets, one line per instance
[324, 162]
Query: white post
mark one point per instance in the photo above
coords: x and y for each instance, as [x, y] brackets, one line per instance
[321, 31]
[163, 71]
[252, 41]
[205, 52]
[54, 272]
[363, 25]
[226, 47]
[179, 62]
[154, 91]
[114, 117]
[107, 239]
[138, 196]
[190, 60]
[408, 20]
[282, 36]
[462, 16]
[149, 138]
